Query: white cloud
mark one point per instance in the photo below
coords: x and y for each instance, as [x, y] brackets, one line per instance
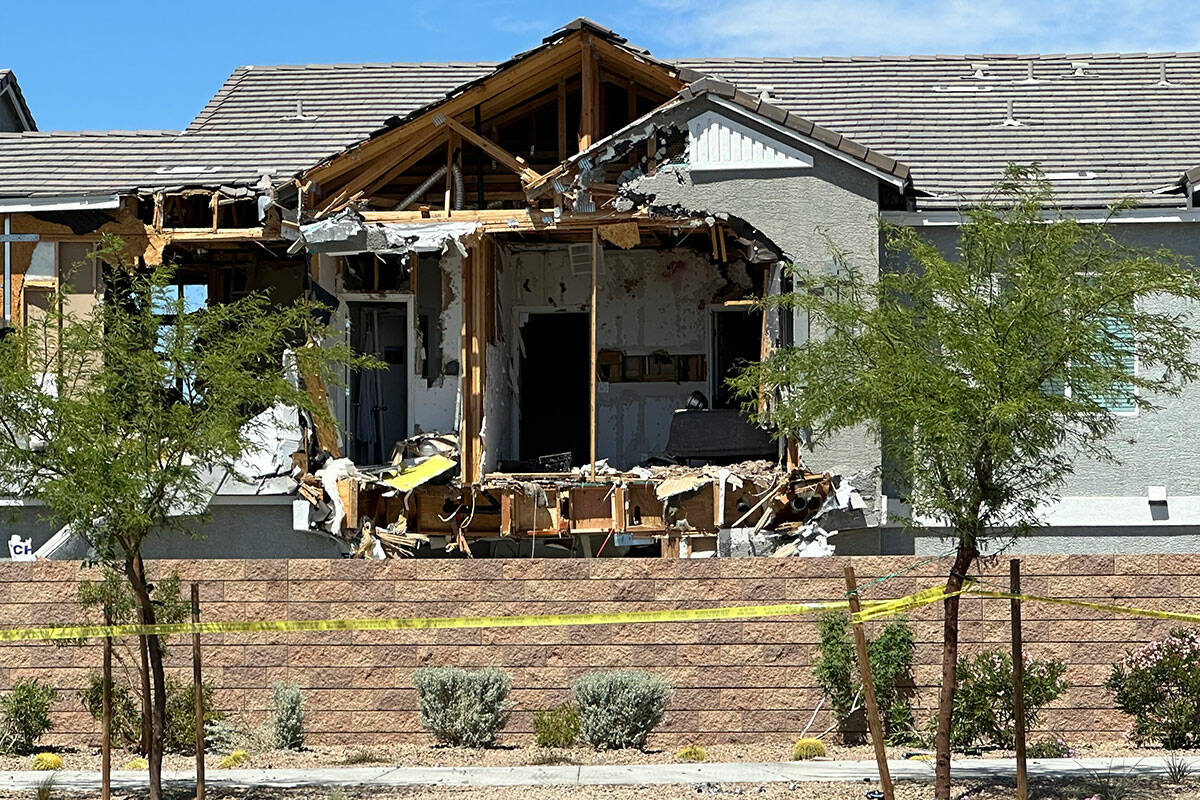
[870, 27]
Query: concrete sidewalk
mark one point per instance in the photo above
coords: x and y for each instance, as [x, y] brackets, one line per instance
[593, 774]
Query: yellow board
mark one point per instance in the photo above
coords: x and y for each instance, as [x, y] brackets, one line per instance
[411, 477]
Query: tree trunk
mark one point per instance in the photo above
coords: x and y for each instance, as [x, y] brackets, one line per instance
[136, 571]
[962, 562]
[144, 679]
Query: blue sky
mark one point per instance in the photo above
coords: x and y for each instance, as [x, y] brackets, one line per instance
[88, 64]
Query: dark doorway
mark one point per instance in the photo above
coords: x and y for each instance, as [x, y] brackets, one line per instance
[379, 397]
[737, 340]
[555, 387]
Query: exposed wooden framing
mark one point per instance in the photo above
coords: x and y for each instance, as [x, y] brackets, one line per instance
[479, 183]
[452, 145]
[592, 353]
[498, 153]
[652, 76]
[474, 358]
[400, 167]
[209, 235]
[505, 220]
[157, 221]
[215, 203]
[590, 87]
[562, 119]
[531, 68]
[631, 104]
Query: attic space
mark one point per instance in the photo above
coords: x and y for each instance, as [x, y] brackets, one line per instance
[675, 317]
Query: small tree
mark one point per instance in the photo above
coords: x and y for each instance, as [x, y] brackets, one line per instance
[985, 375]
[114, 418]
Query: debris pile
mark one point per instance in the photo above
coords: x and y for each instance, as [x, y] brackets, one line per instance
[417, 505]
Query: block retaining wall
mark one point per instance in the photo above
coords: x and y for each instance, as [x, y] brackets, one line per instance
[739, 680]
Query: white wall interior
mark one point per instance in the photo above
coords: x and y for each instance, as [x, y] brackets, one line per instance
[648, 300]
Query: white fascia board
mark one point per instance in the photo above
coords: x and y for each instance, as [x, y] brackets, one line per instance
[19, 205]
[808, 141]
[936, 219]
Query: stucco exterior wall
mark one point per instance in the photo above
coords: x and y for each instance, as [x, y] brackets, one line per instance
[809, 214]
[1152, 449]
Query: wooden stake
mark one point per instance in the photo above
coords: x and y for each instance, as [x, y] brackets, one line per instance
[592, 353]
[198, 694]
[1018, 657]
[864, 666]
[106, 713]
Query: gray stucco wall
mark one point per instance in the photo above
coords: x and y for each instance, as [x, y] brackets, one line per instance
[808, 214]
[1160, 448]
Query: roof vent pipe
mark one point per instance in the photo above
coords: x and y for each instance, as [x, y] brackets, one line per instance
[1162, 75]
[1010, 121]
[1081, 69]
[1029, 75]
[980, 68]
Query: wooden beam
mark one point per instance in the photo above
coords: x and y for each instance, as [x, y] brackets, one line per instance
[592, 353]
[474, 358]
[498, 153]
[652, 76]
[452, 145]
[590, 109]
[504, 220]
[533, 67]
[396, 170]
[562, 119]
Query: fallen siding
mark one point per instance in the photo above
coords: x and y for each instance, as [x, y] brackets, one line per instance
[736, 680]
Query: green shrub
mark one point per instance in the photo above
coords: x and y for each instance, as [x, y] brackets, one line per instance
[693, 753]
[222, 736]
[556, 727]
[1159, 686]
[619, 708]
[25, 715]
[1049, 747]
[179, 732]
[463, 707]
[806, 749]
[836, 671]
[126, 727]
[983, 699]
[287, 716]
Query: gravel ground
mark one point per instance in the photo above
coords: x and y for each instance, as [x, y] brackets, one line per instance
[797, 791]
[425, 755]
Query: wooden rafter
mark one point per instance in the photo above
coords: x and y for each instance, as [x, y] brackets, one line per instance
[496, 98]
[498, 153]
[589, 115]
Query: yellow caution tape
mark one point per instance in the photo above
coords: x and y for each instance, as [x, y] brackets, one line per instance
[888, 608]
[417, 623]
[1061, 601]
[874, 609]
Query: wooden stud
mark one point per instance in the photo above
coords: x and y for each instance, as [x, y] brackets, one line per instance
[562, 119]
[498, 153]
[216, 209]
[474, 356]
[198, 694]
[864, 667]
[1018, 657]
[479, 198]
[451, 146]
[590, 87]
[592, 353]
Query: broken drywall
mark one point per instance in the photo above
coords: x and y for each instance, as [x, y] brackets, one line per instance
[648, 301]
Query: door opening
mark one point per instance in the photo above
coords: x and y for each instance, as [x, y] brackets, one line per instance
[737, 341]
[555, 390]
[379, 398]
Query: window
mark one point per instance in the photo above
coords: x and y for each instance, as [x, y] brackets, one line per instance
[1122, 398]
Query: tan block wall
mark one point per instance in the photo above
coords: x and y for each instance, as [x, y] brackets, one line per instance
[735, 680]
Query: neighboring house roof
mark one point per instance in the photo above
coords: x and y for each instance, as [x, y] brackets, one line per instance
[1110, 129]
[1112, 117]
[10, 92]
[57, 163]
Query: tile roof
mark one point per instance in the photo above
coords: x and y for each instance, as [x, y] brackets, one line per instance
[1110, 129]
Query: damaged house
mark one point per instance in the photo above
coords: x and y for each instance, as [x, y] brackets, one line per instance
[558, 259]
